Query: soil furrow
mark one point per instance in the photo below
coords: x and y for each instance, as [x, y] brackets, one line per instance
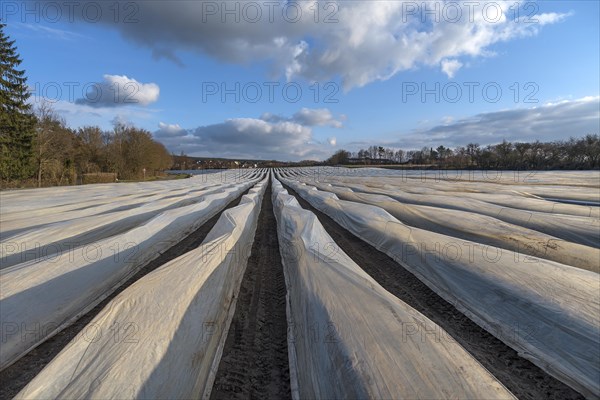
[255, 357]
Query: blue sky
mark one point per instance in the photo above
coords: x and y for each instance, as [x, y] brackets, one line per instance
[168, 55]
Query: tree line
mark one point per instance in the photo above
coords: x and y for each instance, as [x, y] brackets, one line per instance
[38, 149]
[574, 153]
[60, 155]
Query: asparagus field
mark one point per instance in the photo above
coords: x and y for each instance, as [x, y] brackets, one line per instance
[304, 283]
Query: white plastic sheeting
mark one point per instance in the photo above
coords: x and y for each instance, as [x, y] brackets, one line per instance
[581, 186]
[547, 311]
[576, 229]
[490, 231]
[77, 231]
[36, 218]
[350, 338]
[40, 297]
[503, 197]
[501, 194]
[172, 324]
[22, 209]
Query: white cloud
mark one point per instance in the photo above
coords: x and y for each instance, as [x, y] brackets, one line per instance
[120, 90]
[450, 67]
[169, 130]
[268, 137]
[367, 41]
[552, 121]
[550, 18]
[309, 117]
[447, 120]
[316, 117]
[50, 33]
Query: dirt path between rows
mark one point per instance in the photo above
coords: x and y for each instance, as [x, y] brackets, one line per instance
[18, 375]
[520, 376]
[255, 362]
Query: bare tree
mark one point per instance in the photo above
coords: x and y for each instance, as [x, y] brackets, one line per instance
[53, 147]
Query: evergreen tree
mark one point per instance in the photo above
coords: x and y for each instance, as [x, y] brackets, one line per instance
[17, 122]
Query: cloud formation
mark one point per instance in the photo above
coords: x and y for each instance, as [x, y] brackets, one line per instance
[283, 139]
[551, 121]
[169, 130]
[393, 36]
[308, 117]
[268, 137]
[451, 67]
[50, 33]
[120, 90]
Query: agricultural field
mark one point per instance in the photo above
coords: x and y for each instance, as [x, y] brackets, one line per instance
[315, 200]
[304, 283]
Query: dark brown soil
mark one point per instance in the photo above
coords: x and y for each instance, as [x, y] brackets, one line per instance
[15, 377]
[255, 363]
[520, 376]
